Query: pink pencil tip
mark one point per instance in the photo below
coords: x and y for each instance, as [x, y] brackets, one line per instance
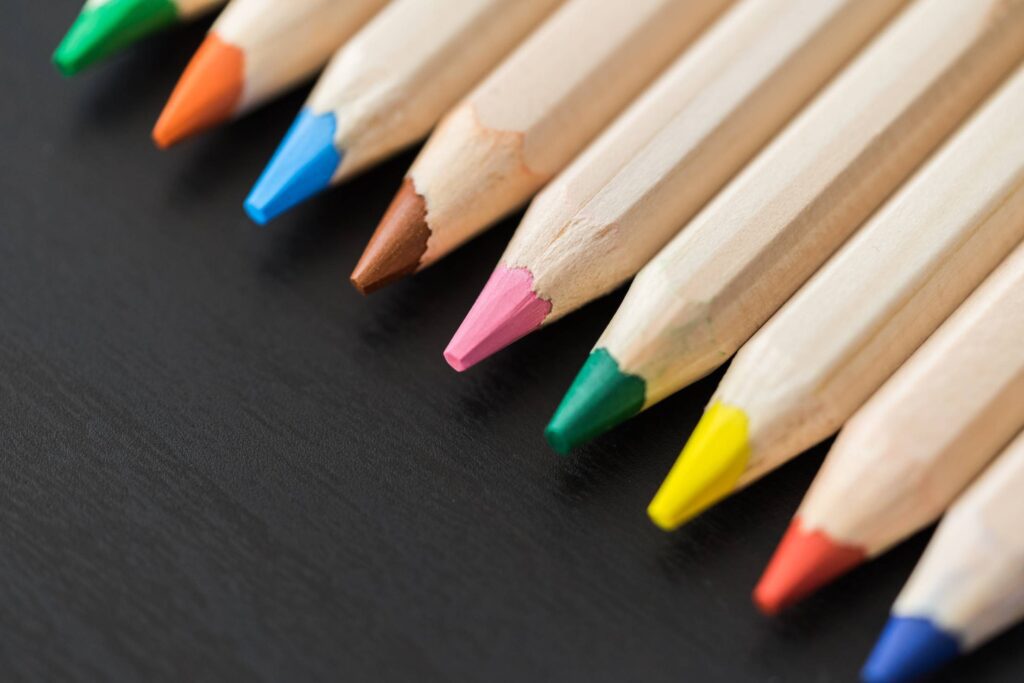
[506, 310]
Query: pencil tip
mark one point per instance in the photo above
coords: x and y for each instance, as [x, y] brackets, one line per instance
[908, 649]
[707, 470]
[206, 94]
[804, 562]
[302, 166]
[506, 310]
[101, 29]
[600, 397]
[397, 245]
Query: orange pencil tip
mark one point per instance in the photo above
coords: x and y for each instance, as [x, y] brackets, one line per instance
[207, 93]
[804, 562]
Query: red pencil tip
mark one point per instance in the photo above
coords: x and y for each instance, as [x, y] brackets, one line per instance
[804, 562]
[207, 93]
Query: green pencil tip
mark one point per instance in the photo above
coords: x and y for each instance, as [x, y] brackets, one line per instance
[600, 397]
[103, 28]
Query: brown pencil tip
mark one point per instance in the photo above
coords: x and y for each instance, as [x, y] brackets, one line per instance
[398, 243]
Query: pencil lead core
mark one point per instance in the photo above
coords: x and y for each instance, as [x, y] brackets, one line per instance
[102, 29]
[302, 166]
[804, 562]
[207, 93]
[397, 245]
[707, 470]
[601, 397]
[909, 649]
[506, 310]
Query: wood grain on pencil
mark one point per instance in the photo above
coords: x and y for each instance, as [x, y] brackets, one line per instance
[833, 344]
[917, 443]
[611, 210]
[387, 87]
[967, 587]
[528, 119]
[750, 249]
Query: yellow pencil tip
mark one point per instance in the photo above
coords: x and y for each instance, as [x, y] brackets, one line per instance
[707, 470]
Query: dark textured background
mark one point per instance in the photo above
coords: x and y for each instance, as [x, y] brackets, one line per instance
[219, 461]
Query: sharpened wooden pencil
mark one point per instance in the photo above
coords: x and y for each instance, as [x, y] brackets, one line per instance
[858, 319]
[256, 50]
[386, 88]
[967, 588]
[617, 204]
[105, 27]
[524, 123]
[916, 444]
[752, 247]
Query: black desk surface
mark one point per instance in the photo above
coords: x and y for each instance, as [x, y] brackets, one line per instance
[220, 461]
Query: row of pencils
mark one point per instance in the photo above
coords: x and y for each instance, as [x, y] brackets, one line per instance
[830, 190]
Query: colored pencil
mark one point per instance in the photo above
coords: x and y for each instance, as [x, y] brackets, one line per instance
[858, 319]
[617, 204]
[917, 443]
[105, 27]
[523, 123]
[752, 247]
[967, 588]
[256, 50]
[387, 88]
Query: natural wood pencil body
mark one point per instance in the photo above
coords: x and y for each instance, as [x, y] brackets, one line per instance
[833, 344]
[607, 214]
[188, 9]
[969, 580]
[932, 427]
[715, 283]
[392, 82]
[913, 447]
[287, 42]
[524, 123]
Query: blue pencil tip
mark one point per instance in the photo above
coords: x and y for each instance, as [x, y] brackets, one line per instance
[909, 648]
[301, 167]
[257, 214]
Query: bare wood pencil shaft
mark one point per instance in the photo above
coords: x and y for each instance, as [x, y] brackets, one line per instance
[968, 581]
[527, 120]
[604, 217]
[392, 82]
[932, 427]
[713, 285]
[863, 314]
[540, 107]
[858, 319]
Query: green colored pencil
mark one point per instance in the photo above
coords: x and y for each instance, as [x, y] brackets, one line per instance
[104, 27]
